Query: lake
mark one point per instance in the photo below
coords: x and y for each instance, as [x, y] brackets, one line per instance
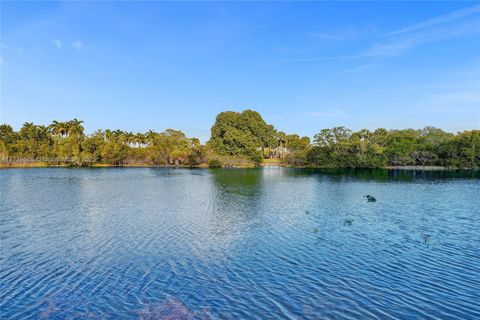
[267, 243]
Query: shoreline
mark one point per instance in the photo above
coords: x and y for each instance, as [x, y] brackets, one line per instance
[205, 166]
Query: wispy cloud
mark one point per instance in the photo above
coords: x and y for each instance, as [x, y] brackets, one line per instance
[398, 42]
[57, 43]
[401, 44]
[393, 48]
[357, 69]
[77, 45]
[437, 20]
[335, 35]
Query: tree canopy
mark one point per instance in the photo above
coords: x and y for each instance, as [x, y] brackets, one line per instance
[65, 142]
[340, 147]
[240, 135]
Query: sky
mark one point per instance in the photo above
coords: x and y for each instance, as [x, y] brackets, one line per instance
[304, 66]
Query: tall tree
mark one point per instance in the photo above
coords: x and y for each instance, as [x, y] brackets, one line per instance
[242, 134]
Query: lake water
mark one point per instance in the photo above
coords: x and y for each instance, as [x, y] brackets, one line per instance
[271, 243]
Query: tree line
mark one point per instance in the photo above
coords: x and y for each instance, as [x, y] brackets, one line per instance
[240, 139]
[66, 143]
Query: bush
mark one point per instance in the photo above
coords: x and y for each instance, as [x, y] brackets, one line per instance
[215, 163]
[298, 158]
[256, 157]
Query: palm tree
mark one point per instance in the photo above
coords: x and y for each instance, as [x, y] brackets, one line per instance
[140, 139]
[108, 135]
[58, 128]
[129, 138]
[27, 126]
[75, 127]
[119, 135]
[150, 136]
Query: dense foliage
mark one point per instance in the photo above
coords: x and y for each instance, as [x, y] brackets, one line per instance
[65, 142]
[236, 139]
[340, 147]
[242, 134]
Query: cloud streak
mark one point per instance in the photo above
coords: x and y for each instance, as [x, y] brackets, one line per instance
[399, 46]
[357, 69]
[402, 40]
[335, 35]
[437, 20]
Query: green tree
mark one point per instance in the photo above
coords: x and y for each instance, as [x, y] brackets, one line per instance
[242, 134]
[68, 138]
[34, 141]
[468, 143]
[8, 139]
[237, 136]
[297, 149]
[170, 147]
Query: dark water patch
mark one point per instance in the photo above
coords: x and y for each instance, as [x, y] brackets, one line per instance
[173, 309]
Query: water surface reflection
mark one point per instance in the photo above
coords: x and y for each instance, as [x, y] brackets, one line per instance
[264, 243]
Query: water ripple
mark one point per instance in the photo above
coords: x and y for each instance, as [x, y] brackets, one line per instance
[237, 244]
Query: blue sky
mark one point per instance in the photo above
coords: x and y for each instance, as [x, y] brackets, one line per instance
[303, 65]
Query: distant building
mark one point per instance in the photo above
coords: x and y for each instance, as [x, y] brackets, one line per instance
[278, 152]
